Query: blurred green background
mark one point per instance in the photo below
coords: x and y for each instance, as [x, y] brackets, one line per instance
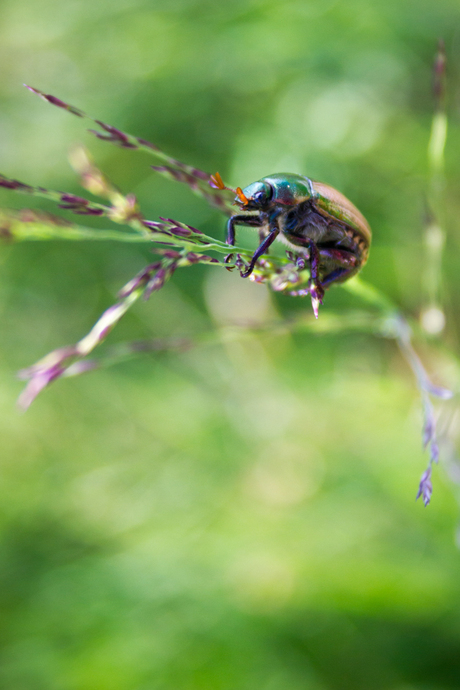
[241, 515]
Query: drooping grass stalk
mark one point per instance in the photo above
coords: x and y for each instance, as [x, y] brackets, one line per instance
[55, 364]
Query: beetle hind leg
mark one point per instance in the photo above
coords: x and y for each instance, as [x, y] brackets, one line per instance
[315, 285]
[337, 274]
[336, 265]
[342, 262]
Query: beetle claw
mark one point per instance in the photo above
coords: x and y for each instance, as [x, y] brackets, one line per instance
[299, 260]
[227, 260]
[300, 263]
[243, 268]
[316, 294]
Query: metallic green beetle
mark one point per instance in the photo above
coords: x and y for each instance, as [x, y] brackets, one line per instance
[314, 220]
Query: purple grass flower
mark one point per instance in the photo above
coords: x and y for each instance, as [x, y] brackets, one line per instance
[402, 334]
[180, 232]
[114, 135]
[82, 210]
[148, 144]
[37, 383]
[170, 253]
[72, 199]
[70, 202]
[438, 391]
[113, 130]
[140, 279]
[200, 183]
[175, 228]
[425, 488]
[152, 225]
[79, 205]
[194, 258]
[171, 227]
[157, 281]
[43, 373]
[56, 101]
[434, 451]
[429, 428]
[81, 367]
[15, 184]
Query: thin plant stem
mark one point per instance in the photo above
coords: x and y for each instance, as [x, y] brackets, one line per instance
[432, 314]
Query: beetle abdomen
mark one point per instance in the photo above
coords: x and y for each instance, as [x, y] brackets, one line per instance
[336, 205]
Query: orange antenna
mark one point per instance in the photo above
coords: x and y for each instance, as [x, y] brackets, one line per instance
[239, 193]
[216, 182]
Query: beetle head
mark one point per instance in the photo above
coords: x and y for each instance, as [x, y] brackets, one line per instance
[256, 196]
[279, 189]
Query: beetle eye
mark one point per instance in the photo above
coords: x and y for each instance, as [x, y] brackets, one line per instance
[264, 195]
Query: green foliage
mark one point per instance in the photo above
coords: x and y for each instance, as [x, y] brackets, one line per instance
[238, 514]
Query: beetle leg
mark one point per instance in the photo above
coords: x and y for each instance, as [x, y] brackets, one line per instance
[340, 256]
[315, 286]
[345, 261]
[263, 234]
[261, 249]
[240, 219]
[335, 275]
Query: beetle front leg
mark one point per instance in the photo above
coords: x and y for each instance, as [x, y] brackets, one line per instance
[239, 219]
[261, 249]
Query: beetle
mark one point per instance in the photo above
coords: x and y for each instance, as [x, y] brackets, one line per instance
[318, 223]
